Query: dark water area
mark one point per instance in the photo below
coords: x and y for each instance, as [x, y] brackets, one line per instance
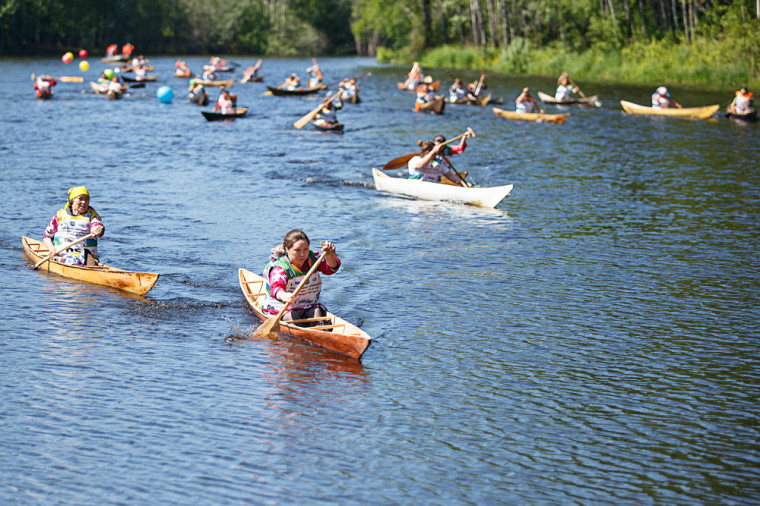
[593, 339]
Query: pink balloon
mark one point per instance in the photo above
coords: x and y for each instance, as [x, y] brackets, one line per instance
[67, 57]
[83, 53]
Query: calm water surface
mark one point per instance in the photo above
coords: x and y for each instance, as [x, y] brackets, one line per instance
[592, 340]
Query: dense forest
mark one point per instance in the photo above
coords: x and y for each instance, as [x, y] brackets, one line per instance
[687, 40]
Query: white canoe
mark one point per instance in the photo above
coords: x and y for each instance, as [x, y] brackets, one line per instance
[484, 197]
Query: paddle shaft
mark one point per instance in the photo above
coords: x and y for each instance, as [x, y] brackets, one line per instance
[270, 325]
[63, 248]
[578, 87]
[446, 159]
[303, 121]
[480, 83]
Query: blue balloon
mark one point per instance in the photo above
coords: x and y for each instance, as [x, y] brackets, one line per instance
[165, 94]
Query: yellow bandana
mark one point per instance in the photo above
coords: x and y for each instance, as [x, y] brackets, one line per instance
[77, 191]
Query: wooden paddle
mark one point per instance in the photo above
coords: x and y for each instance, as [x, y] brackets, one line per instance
[63, 248]
[401, 161]
[306, 119]
[480, 83]
[271, 327]
[578, 87]
[65, 79]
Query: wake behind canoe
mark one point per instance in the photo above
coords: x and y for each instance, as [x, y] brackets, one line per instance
[134, 282]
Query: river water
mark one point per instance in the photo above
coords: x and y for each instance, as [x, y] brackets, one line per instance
[593, 339]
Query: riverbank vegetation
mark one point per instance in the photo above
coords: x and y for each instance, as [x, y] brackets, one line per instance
[699, 42]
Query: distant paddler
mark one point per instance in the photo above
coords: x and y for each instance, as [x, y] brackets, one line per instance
[661, 99]
[252, 71]
[742, 102]
[209, 75]
[315, 75]
[181, 69]
[115, 88]
[292, 83]
[413, 78]
[224, 103]
[425, 93]
[327, 117]
[43, 86]
[287, 268]
[475, 88]
[565, 88]
[526, 103]
[75, 221]
[349, 90]
[197, 93]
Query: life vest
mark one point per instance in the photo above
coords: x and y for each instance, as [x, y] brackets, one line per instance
[71, 228]
[127, 49]
[743, 103]
[309, 294]
[660, 101]
[111, 50]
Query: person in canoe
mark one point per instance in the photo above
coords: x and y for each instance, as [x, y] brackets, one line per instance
[349, 90]
[742, 103]
[115, 88]
[217, 63]
[286, 269]
[292, 83]
[328, 116]
[127, 49]
[251, 71]
[427, 167]
[526, 103]
[661, 99]
[43, 86]
[474, 90]
[208, 74]
[565, 88]
[413, 78]
[315, 75]
[181, 69]
[457, 92]
[425, 93]
[197, 93]
[76, 220]
[111, 50]
[224, 103]
[448, 149]
[140, 72]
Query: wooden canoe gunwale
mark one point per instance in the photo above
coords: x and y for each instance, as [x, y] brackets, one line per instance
[345, 338]
[134, 282]
[530, 116]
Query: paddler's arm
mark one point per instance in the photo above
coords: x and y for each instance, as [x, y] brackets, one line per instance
[328, 250]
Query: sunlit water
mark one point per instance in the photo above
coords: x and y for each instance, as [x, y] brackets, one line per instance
[593, 339]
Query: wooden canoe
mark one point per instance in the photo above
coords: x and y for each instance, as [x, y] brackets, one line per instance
[183, 73]
[531, 116]
[483, 197]
[147, 79]
[592, 101]
[482, 101]
[254, 79]
[332, 128]
[117, 58]
[435, 106]
[685, 112]
[133, 282]
[750, 116]
[227, 83]
[218, 116]
[285, 93]
[333, 333]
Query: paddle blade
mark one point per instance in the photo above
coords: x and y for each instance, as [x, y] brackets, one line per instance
[71, 79]
[399, 162]
[307, 119]
[269, 328]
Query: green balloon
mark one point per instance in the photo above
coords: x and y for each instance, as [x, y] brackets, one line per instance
[109, 73]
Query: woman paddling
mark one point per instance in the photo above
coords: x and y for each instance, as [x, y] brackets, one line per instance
[287, 267]
[76, 220]
[427, 167]
[526, 103]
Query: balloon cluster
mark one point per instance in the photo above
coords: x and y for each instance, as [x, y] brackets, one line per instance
[69, 57]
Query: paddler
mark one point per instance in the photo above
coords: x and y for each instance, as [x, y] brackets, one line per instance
[197, 93]
[448, 149]
[526, 103]
[76, 220]
[315, 75]
[224, 103]
[661, 99]
[742, 103]
[208, 74]
[286, 269]
[427, 167]
[457, 92]
[425, 93]
[43, 85]
[414, 77]
[328, 116]
[474, 89]
[349, 89]
[252, 71]
[291, 83]
[565, 88]
[115, 87]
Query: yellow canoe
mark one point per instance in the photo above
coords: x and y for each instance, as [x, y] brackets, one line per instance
[133, 282]
[332, 332]
[686, 112]
[531, 116]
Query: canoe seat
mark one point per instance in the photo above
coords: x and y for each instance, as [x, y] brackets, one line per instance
[254, 295]
[328, 327]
